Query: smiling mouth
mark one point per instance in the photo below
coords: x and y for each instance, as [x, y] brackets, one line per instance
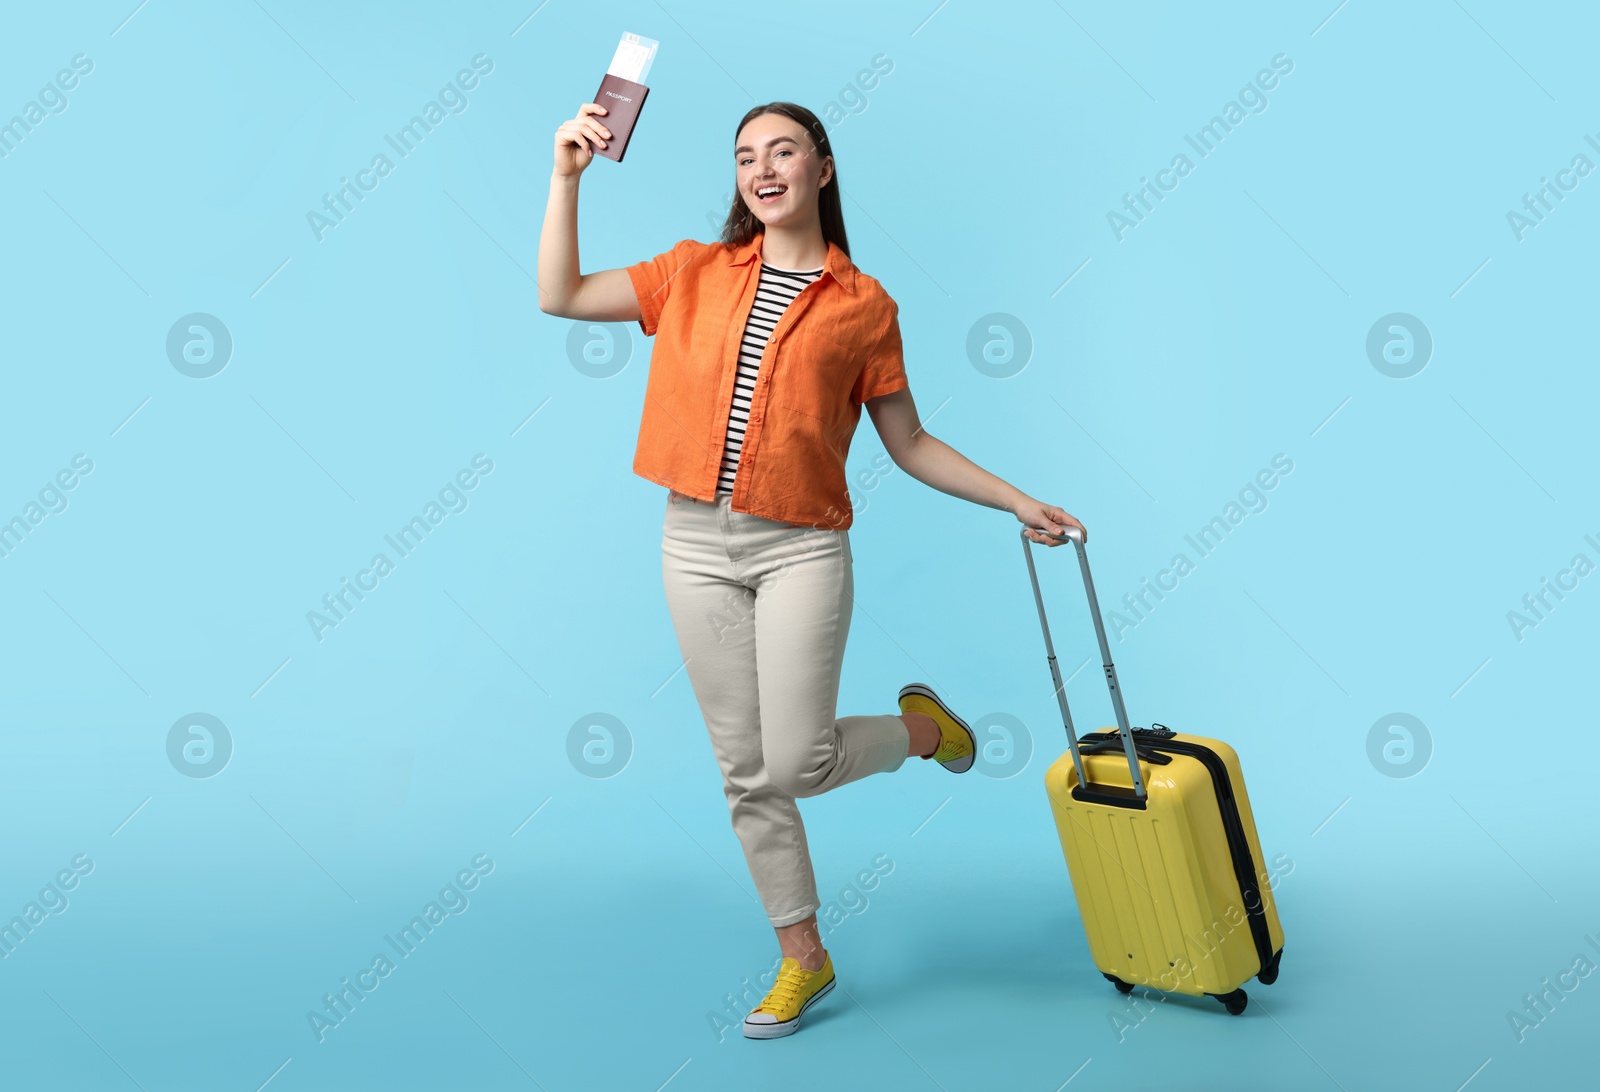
[769, 198]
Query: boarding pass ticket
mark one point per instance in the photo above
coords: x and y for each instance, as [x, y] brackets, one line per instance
[634, 58]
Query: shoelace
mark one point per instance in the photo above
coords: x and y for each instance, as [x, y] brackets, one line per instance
[784, 990]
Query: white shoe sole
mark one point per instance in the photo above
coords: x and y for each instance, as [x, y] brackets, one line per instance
[787, 1027]
[964, 763]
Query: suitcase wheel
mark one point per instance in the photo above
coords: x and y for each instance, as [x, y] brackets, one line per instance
[1234, 1002]
[1269, 973]
[1122, 987]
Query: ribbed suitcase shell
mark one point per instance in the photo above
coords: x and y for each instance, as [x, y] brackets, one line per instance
[1156, 887]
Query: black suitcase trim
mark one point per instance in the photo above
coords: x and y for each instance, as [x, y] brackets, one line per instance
[1115, 795]
[1232, 825]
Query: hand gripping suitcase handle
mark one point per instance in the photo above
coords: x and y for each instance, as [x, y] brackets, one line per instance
[1123, 729]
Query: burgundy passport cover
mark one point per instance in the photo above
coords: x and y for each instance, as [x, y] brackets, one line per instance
[622, 100]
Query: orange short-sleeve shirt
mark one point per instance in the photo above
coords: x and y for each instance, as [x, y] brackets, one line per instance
[836, 346]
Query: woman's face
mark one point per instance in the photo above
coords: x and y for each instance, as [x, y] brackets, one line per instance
[775, 151]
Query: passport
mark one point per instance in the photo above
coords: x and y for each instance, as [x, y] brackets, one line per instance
[622, 91]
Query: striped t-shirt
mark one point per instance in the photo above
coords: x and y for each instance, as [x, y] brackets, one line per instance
[776, 290]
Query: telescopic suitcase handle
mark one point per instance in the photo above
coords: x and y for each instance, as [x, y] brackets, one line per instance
[1075, 534]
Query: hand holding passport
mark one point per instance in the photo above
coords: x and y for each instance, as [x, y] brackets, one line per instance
[622, 91]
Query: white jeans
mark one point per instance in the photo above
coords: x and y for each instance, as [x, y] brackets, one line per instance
[762, 610]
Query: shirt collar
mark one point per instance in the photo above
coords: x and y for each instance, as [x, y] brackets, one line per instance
[837, 263]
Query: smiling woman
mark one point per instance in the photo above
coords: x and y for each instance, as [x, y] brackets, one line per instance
[768, 343]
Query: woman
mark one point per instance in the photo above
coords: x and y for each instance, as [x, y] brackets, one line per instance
[768, 344]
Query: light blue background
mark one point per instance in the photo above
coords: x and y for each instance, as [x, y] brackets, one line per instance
[1166, 369]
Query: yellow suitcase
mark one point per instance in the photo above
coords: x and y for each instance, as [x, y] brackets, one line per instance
[1161, 846]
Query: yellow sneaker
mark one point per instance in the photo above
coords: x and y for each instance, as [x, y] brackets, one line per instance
[957, 745]
[795, 991]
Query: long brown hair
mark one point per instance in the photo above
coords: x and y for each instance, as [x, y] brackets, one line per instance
[741, 225]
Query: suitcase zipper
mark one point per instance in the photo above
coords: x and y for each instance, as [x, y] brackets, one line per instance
[1232, 826]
